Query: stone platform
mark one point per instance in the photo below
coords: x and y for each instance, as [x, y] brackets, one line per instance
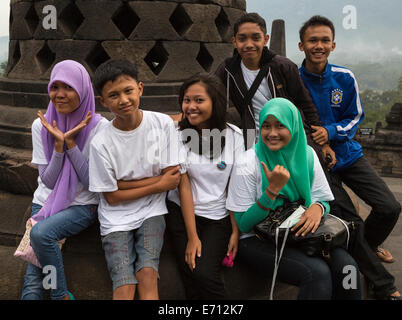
[88, 278]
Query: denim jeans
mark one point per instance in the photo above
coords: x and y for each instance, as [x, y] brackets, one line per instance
[315, 278]
[44, 237]
[127, 252]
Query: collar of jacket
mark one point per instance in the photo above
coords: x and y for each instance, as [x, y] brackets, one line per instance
[233, 63]
[309, 74]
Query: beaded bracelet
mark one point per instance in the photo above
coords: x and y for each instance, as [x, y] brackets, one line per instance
[271, 192]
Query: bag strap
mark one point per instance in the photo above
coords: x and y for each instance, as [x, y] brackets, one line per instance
[346, 227]
[277, 259]
[256, 83]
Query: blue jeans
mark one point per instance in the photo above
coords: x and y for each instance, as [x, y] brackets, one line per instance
[44, 237]
[314, 277]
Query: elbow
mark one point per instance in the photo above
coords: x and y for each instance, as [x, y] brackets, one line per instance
[48, 184]
[242, 227]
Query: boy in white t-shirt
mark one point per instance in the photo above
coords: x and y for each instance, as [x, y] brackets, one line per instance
[133, 162]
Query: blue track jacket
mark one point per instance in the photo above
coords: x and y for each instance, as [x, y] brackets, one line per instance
[336, 96]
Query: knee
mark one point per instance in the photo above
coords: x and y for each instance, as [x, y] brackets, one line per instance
[36, 236]
[342, 261]
[317, 283]
[147, 275]
[40, 236]
[396, 209]
[321, 273]
[392, 209]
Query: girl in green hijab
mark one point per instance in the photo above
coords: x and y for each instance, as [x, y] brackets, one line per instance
[282, 163]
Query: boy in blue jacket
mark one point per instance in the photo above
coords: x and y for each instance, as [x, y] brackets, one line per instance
[335, 93]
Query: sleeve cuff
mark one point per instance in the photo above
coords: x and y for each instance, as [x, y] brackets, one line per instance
[324, 206]
[266, 201]
[58, 154]
[72, 150]
[331, 132]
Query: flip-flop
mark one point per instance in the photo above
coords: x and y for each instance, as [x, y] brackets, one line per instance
[70, 295]
[384, 255]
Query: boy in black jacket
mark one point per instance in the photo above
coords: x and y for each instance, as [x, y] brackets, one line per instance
[282, 79]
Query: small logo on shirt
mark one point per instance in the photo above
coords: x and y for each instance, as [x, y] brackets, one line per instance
[336, 97]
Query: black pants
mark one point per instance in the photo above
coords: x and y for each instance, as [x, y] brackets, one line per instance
[367, 184]
[205, 281]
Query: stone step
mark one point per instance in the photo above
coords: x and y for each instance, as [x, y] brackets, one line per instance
[85, 265]
[15, 210]
[12, 271]
[160, 103]
[86, 271]
[38, 86]
[24, 99]
[88, 278]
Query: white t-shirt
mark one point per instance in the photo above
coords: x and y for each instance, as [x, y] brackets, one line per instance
[245, 186]
[261, 96]
[132, 155]
[208, 182]
[83, 196]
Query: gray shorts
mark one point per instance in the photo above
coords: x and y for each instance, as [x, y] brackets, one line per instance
[127, 252]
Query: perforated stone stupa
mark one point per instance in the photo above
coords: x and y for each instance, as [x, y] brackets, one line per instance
[168, 40]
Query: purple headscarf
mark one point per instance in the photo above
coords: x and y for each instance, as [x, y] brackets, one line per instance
[76, 76]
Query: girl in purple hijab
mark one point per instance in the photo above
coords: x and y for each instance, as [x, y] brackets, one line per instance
[62, 205]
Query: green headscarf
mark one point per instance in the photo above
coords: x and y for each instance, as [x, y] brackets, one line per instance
[296, 156]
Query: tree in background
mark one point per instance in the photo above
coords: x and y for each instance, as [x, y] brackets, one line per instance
[377, 104]
[3, 66]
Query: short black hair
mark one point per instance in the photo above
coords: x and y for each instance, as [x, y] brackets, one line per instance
[252, 17]
[111, 70]
[316, 21]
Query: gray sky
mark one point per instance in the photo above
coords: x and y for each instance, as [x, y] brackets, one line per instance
[4, 17]
[378, 33]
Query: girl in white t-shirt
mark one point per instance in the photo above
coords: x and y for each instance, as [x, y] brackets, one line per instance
[204, 236]
[62, 205]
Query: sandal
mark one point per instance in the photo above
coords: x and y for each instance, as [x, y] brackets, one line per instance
[70, 295]
[394, 298]
[384, 255]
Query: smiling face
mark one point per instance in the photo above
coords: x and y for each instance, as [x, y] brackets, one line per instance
[197, 106]
[274, 134]
[317, 44]
[122, 97]
[249, 42]
[64, 98]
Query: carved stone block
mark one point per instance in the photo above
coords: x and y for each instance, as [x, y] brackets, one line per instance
[154, 23]
[98, 20]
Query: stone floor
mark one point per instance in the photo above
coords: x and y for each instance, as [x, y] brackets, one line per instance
[394, 241]
[12, 269]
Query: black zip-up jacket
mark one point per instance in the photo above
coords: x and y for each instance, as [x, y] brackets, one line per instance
[283, 81]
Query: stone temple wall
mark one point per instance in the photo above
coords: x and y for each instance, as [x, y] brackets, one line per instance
[168, 40]
[384, 148]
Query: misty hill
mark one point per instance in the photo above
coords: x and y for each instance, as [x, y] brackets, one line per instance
[378, 76]
[377, 34]
[382, 74]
